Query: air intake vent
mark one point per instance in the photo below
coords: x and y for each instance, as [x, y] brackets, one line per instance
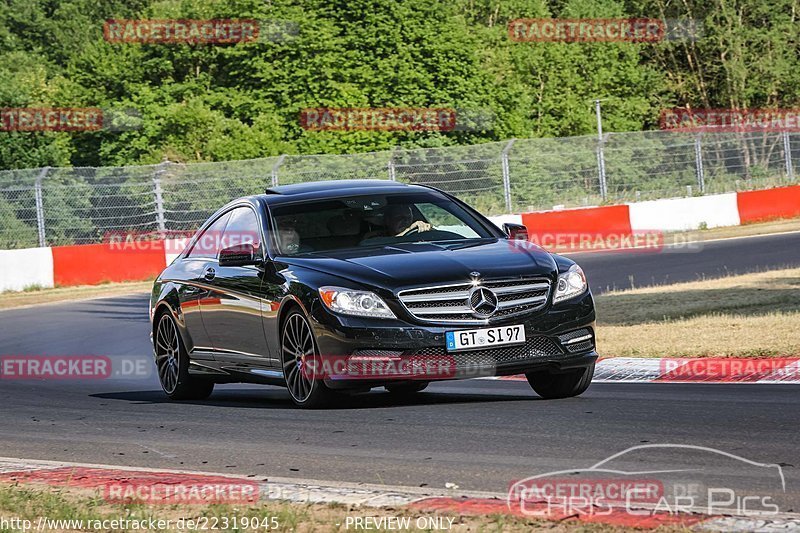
[578, 340]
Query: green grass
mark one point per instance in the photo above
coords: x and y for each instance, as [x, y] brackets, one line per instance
[32, 502]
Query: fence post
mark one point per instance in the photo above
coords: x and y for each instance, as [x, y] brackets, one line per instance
[275, 167]
[601, 159]
[161, 221]
[601, 166]
[390, 167]
[40, 207]
[787, 156]
[698, 159]
[506, 174]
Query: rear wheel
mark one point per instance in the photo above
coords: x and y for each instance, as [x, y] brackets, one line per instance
[551, 385]
[407, 388]
[299, 351]
[172, 363]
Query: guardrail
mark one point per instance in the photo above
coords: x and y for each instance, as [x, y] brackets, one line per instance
[140, 260]
[59, 206]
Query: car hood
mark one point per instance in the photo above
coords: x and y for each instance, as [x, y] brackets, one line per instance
[401, 266]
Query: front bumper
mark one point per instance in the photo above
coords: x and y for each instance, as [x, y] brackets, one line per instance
[420, 353]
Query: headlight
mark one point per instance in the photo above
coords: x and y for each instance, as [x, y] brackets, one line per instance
[356, 303]
[570, 284]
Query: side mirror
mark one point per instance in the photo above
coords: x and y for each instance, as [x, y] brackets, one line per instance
[239, 255]
[515, 232]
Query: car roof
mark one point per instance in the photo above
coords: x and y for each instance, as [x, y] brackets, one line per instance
[336, 188]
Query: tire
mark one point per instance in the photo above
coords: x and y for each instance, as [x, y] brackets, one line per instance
[298, 344]
[407, 388]
[551, 385]
[172, 363]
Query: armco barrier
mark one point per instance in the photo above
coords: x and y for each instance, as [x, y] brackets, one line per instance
[89, 264]
[681, 214]
[97, 263]
[31, 267]
[608, 220]
[783, 202]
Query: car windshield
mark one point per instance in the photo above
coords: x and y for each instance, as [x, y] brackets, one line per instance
[371, 220]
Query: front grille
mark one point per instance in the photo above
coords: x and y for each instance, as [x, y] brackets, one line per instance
[451, 303]
[534, 347]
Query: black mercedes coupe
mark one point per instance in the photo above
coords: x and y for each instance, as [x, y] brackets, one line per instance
[339, 287]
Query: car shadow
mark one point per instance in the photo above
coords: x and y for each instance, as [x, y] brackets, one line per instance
[279, 399]
[128, 307]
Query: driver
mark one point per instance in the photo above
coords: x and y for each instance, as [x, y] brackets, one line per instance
[289, 240]
[399, 221]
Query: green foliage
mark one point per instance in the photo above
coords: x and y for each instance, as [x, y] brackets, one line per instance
[205, 103]
[14, 233]
[216, 103]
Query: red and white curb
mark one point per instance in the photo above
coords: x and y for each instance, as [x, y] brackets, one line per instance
[355, 495]
[778, 370]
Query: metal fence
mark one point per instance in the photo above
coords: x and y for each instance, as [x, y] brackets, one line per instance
[56, 206]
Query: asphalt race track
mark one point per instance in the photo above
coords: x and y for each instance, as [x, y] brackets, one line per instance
[481, 435]
[712, 259]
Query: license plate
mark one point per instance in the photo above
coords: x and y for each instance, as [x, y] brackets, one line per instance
[480, 338]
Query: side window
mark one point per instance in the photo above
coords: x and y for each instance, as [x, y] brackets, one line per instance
[443, 219]
[207, 245]
[242, 228]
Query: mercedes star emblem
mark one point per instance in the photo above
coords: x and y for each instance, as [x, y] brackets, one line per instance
[483, 301]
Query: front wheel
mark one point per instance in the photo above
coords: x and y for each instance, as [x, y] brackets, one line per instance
[299, 351]
[551, 385]
[172, 363]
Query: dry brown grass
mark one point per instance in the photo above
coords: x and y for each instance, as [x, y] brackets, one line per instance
[738, 316]
[748, 230]
[9, 300]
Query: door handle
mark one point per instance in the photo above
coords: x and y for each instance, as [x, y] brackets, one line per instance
[209, 274]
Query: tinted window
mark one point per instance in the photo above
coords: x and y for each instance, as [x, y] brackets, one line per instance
[208, 244]
[372, 220]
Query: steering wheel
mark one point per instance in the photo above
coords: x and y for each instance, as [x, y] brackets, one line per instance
[412, 230]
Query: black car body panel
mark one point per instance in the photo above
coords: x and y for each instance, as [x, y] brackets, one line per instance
[229, 317]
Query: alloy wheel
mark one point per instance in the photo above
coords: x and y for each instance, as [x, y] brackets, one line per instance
[167, 353]
[298, 351]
